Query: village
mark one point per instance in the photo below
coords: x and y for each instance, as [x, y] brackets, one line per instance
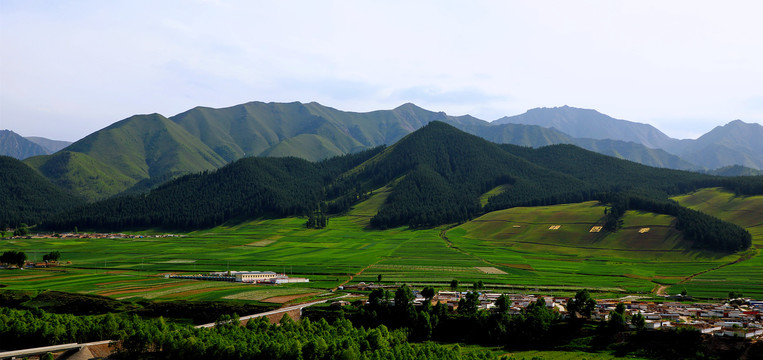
[741, 317]
[79, 235]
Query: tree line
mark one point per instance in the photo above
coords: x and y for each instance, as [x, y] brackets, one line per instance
[258, 339]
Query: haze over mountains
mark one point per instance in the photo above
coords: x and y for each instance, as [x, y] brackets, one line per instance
[19, 147]
[736, 143]
[142, 151]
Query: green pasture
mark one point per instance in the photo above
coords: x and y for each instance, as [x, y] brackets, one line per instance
[512, 250]
[744, 276]
[554, 245]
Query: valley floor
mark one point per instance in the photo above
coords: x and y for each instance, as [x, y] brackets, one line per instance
[553, 249]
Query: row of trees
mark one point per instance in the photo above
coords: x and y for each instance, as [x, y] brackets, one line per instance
[257, 340]
[13, 257]
[532, 327]
[18, 258]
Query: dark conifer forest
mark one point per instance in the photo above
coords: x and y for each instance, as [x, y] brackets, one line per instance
[27, 197]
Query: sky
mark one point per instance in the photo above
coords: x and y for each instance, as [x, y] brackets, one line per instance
[69, 68]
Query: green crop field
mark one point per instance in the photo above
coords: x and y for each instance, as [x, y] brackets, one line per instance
[744, 276]
[548, 249]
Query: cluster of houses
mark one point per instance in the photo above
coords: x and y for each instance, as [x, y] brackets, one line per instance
[95, 236]
[249, 277]
[736, 318]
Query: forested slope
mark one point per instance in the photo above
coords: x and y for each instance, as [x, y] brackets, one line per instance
[247, 188]
[444, 171]
[27, 197]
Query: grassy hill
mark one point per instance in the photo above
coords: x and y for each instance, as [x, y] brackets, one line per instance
[81, 174]
[138, 148]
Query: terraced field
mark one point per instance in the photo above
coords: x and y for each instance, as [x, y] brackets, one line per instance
[517, 247]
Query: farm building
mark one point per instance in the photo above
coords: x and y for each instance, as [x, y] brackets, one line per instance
[254, 276]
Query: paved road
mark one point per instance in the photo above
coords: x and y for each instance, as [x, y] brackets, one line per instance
[45, 349]
[280, 310]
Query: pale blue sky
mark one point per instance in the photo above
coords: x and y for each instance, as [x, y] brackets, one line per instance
[68, 68]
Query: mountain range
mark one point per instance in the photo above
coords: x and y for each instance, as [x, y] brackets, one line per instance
[435, 175]
[142, 151]
[736, 143]
[19, 147]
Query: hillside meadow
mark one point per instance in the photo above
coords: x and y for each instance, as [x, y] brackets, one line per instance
[548, 249]
[745, 276]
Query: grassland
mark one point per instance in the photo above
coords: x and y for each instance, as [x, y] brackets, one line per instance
[516, 247]
[745, 276]
[553, 245]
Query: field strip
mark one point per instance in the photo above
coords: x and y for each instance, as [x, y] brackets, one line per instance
[448, 243]
[122, 281]
[260, 293]
[596, 248]
[491, 270]
[286, 298]
[519, 266]
[741, 258]
[534, 223]
[176, 288]
[422, 268]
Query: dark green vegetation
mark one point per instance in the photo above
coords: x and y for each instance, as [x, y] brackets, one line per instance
[27, 197]
[195, 312]
[247, 188]
[16, 258]
[159, 339]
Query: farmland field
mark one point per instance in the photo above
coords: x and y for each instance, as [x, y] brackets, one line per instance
[508, 250]
[744, 276]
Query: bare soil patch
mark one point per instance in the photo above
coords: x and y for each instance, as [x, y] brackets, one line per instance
[120, 282]
[490, 270]
[265, 242]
